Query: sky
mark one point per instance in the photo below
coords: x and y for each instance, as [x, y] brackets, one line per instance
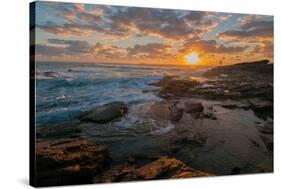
[72, 32]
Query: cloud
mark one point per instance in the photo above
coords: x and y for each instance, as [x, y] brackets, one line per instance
[45, 50]
[265, 49]
[255, 31]
[57, 47]
[168, 24]
[76, 13]
[107, 51]
[249, 27]
[173, 33]
[125, 22]
[60, 47]
[151, 50]
[211, 46]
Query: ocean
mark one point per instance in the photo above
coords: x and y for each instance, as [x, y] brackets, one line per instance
[64, 90]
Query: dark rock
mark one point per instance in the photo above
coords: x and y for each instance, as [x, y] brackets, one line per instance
[105, 113]
[186, 138]
[69, 70]
[193, 108]
[64, 130]
[262, 108]
[255, 143]
[176, 112]
[229, 105]
[208, 113]
[49, 74]
[268, 141]
[153, 83]
[266, 129]
[261, 66]
[174, 86]
[162, 168]
[235, 171]
[69, 161]
[148, 90]
[238, 81]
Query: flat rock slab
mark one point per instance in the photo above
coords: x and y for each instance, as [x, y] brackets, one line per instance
[162, 168]
[69, 161]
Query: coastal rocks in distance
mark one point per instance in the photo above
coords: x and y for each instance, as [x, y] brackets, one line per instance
[69, 161]
[162, 168]
[173, 86]
[261, 66]
[105, 113]
[243, 81]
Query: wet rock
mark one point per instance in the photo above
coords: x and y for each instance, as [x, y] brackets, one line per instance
[148, 90]
[166, 79]
[175, 112]
[189, 137]
[254, 142]
[262, 108]
[229, 105]
[169, 168]
[153, 83]
[193, 108]
[236, 105]
[174, 86]
[208, 113]
[268, 141]
[105, 113]
[266, 129]
[64, 130]
[50, 74]
[243, 81]
[69, 161]
[163, 168]
[115, 174]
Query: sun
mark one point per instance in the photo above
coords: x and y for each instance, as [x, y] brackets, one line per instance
[192, 58]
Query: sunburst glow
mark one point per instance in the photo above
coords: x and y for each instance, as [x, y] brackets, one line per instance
[192, 58]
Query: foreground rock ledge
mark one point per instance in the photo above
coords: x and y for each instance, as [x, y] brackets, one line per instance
[163, 168]
[69, 161]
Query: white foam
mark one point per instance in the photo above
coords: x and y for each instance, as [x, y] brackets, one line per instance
[163, 130]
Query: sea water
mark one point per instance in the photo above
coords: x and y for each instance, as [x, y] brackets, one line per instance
[64, 90]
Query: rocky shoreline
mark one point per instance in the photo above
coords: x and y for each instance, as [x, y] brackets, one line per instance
[217, 124]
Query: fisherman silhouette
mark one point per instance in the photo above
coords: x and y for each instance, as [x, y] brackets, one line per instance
[220, 62]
